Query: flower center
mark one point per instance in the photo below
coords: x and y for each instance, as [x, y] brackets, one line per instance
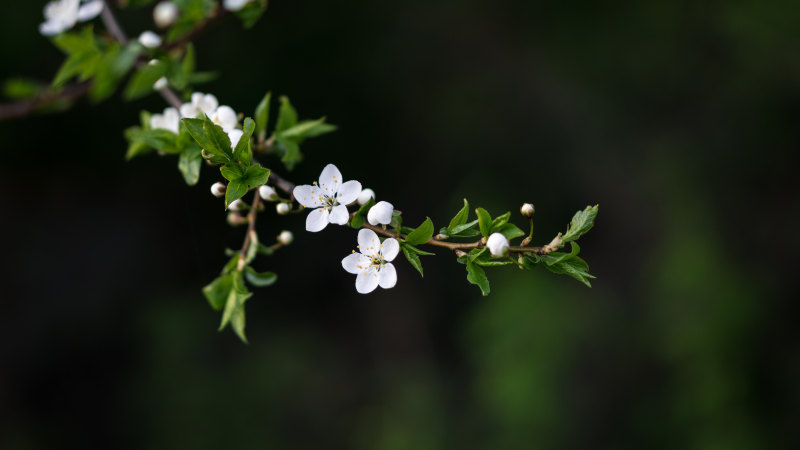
[330, 202]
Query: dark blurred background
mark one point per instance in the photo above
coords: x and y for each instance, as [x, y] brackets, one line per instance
[679, 118]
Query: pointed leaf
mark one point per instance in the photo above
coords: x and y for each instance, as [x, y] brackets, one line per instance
[422, 234]
[262, 113]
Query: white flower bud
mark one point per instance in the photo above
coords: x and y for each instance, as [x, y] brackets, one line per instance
[218, 189]
[554, 245]
[497, 245]
[365, 195]
[149, 39]
[282, 208]
[267, 193]
[381, 213]
[160, 83]
[237, 205]
[234, 5]
[153, 62]
[286, 237]
[527, 210]
[165, 14]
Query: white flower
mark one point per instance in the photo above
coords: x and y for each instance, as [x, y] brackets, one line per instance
[381, 213]
[167, 121]
[201, 103]
[527, 210]
[329, 198]
[165, 14]
[225, 117]
[160, 84]
[235, 136]
[497, 245]
[235, 5]
[149, 39]
[61, 15]
[218, 189]
[365, 195]
[237, 205]
[372, 264]
[267, 193]
[286, 237]
[282, 208]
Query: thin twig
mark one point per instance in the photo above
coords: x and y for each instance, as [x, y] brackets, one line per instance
[23, 108]
[112, 25]
[251, 229]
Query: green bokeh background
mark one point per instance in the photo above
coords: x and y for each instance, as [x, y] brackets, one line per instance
[679, 118]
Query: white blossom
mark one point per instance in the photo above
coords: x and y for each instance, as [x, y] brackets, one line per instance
[497, 244]
[160, 83]
[372, 263]
[235, 136]
[267, 193]
[329, 199]
[282, 208]
[201, 103]
[237, 205]
[381, 213]
[165, 14]
[167, 121]
[286, 237]
[527, 210]
[149, 39]
[218, 189]
[235, 5]
[62, 15]
[225, 117]
[365, 195]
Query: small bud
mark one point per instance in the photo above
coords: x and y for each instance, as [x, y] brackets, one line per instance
[282, 208]
[497, 245]
[527, 210]
[554, 245]
[267, 193]
[461, 253]
[165, 14]
[160, 83]
[218, 189]
[236, 219]
[153, 62]
[380, 214]
[237, 205]
[365, 195]
[286, 237]
[148, 39]
[526, 241]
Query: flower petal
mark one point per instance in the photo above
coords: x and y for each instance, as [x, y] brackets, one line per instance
[225, 117]
[390, 248]
[317, 220]
[381, 213]
[366, 282]
[387, 277]
[348, 192]
[339, 215]
[355, 263]
[368, 242]
[90, 10]
[235, 135]
[330, 179]
[308, 196]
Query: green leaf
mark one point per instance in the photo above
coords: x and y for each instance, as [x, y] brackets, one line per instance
[484, 221]
[242, 152]
[463, 230]
[262, 113]
[460, 218]
[422, 234]
[236, 190]
[291, 152]
[251, 12]
[160, 139]
[287, 116]
[196, 128]
[189, 61]
[217, 291]
[499, 222]
[234, 307]
[574, 267]
[307, 129]
[360, 216]
[141, 83]
[21, 88]
[509, 230]
[232, 172]
[220, 143]
[477, 276]
[581, 223]
[260, 279]
[412, 255]
[558, 257]
[252, 249]
[256, 176]
[189, 163]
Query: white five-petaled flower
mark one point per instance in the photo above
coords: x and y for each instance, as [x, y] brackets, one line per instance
[167, 121]
[148, 39]
[61, 15]
[372, 264]
[235, 5]
[381, 213]
[497, 244]
[201, 103]
[330, 199]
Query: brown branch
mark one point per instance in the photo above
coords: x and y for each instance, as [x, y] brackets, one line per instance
[112, 25]
[251, 229]
[281, 183]
[23, 108]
